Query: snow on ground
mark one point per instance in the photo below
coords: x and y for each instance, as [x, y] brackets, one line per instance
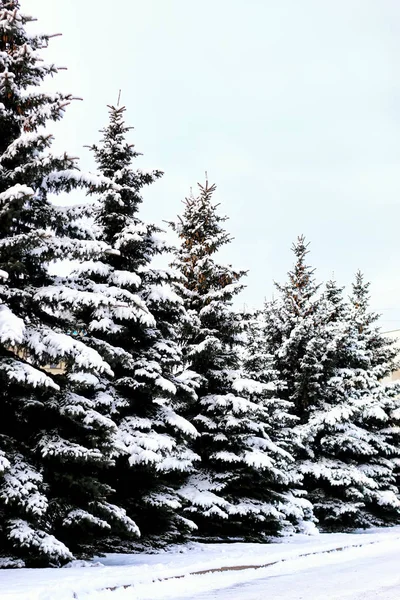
[366, 573]
[354, 566]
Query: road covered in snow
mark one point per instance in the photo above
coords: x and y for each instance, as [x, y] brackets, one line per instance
[368, 573]
[360, 566]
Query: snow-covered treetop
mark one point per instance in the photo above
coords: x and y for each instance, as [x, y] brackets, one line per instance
[299, 291]
[21, 70]
[334, 295]
[29, 172]
[119, 206]
[360, 299]
[201, 236]
[375, 350]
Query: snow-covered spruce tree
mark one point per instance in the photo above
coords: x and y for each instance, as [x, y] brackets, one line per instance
[350, 469]
[329, 432]
[242, 487]
[129, 313]
[372, 357]
[304, 334]
[292, 334]
[258, 365]
[53, 440]
[347, 455]
[380, 350]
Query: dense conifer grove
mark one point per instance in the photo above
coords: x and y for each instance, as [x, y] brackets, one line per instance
[138, 406]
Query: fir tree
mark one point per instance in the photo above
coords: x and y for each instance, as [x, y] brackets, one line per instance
[241, 486]
[53, 440]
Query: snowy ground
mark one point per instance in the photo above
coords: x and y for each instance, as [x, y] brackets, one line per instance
[360, 566]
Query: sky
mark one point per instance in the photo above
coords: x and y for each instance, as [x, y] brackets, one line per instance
[291, 107]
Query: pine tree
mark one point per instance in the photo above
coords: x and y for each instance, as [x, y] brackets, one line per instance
[130, 313]
[241, 486]
[53, 440]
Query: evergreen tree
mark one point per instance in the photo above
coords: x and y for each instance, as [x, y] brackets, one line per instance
[292, 334]
[373, 357]
[53, 440]
[332, 439]
[350, 470]
[129, 313]
[381, 351]
[323, 349]
[241, 487]
[258, 365]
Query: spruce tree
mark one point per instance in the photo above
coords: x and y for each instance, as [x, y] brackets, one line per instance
[258, 365]
[322, 348]
[130, 312]
[350, 471]
[241, 486]
[53, 440]
[292, 334]
[381, 351]
[332, 439]
[373, 357]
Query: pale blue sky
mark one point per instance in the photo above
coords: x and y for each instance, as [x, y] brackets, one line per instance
[292, 106]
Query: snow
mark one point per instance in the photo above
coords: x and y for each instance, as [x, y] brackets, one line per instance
[76, 176]
[87, 379]
[119, 514]
[25, 140]
[165, 385]
[332, 577]
[163, 293]
[120, 303]
[79, 516]
[16, 192]
[301, 567]
[21, 484]
[145, 447]
[27, 536]
[45, 342]
[179, 422]
[12, 328]
[251, 386]
[125, 278]
[26, 374]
